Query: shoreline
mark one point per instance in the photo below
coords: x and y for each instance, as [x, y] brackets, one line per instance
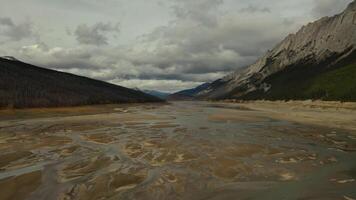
[331, 114]
[43, 112]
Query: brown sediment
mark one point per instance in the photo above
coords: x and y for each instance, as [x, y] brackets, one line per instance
[100, 138]
[7, 158]
[22, 142]
[287, 176]
[244, 150]
[227, 168]
[83, 167]
[170, 177]
[111, 155]
[52, 141]
[296, 157]
[136, 118]
[105, 186]
[159, 126]
[226, 172]
[133, 150]
[70, 111]
[67, 151]
[133, 123]
[166, 156]
[237, 116]
[158, 153]
[20, 187]
[125, 181]
[180, 130]
[164, 124]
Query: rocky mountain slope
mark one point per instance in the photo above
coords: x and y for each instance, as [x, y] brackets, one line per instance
[317, 62]
[189, 94]
[161, 95]
[23, 85]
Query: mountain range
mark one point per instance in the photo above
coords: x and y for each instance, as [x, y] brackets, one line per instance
[189, 94]
[317, 62]
[159, 94]
[23, 85]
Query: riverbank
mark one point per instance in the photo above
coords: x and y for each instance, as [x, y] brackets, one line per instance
[324, 113]
[181, 150]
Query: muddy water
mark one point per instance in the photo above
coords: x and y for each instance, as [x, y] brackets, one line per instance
[185, 150]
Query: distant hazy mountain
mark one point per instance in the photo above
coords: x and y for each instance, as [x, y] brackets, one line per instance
[189, 94]
[161, 95]
[317, 62]
[23, 85]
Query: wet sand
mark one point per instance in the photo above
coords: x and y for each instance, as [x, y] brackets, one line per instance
[183, 150]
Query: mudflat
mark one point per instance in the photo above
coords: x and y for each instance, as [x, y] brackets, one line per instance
[181, 150]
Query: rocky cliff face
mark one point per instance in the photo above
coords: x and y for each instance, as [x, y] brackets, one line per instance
[324, 42]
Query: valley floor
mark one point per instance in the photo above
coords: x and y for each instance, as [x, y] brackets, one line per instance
[181, 150]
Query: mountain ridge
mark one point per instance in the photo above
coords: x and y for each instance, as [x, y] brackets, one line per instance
[24, 85]
[156, 93]
[188, 94]
[326, 41]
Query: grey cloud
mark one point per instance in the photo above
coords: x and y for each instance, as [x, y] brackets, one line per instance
[328, 7]
[199, 45]
[201, 77]
[254, 9]
[103, 65]
[195, 48]
[230, 44]
[203, 11]
[162, 85]
[201, 41]
[68, 31]
[6, 21]
[14, 31]
[288, 22]
[96, 34]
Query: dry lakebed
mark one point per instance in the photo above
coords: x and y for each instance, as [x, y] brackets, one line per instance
[180, 150]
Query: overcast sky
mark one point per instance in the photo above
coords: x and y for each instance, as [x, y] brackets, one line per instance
[165, 45]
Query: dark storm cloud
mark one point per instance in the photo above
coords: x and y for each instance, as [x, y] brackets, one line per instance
[15, 31]
[96, 34]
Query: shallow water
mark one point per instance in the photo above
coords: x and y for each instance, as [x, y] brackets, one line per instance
[183, 150]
